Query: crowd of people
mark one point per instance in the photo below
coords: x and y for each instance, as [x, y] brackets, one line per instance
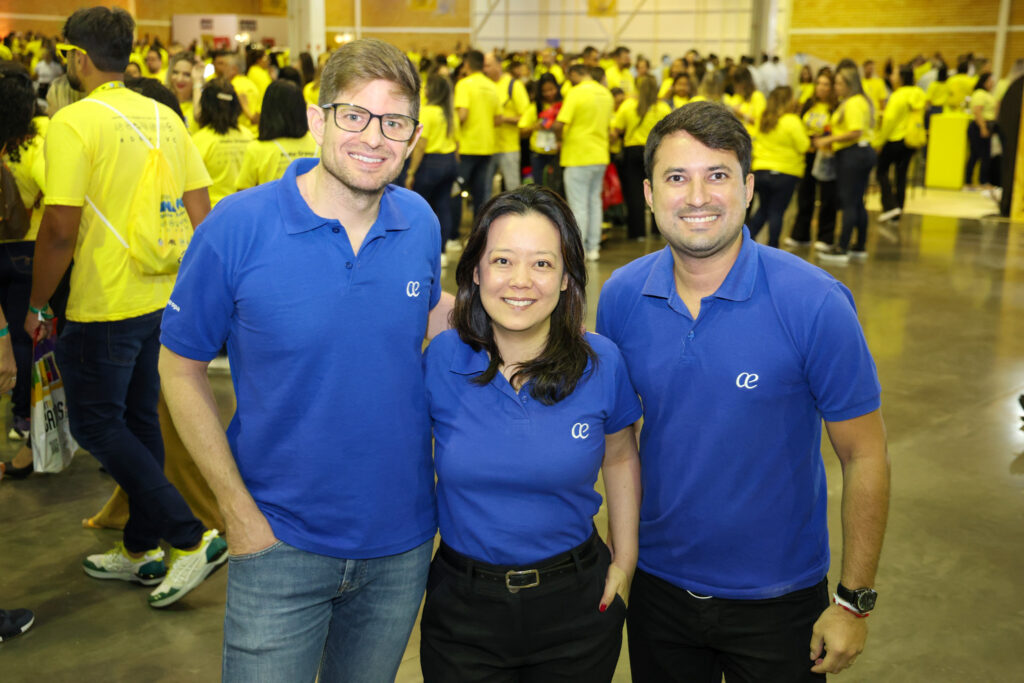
[324, 199]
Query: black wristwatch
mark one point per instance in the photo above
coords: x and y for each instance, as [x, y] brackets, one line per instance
[861, 599]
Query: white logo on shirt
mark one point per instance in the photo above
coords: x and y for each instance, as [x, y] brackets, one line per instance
[580, 430]
[747, 380]
[174, 306]
[412, 289]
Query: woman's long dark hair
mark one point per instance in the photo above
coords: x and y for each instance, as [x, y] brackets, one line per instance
[813, 99]
[17, 107]
[219, 107]
[439, 92]
[541, 105]
[283, 114]
[560, 366]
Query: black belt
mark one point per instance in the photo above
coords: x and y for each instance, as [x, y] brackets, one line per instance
[578, 559]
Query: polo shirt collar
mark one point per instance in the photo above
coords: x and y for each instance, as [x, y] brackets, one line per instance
[298, 217]
[737, 286]
[466, 361]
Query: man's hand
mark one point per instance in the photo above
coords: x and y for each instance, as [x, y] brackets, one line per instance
[250, 536]
[37, 329]
[8, 368]
[841, 636]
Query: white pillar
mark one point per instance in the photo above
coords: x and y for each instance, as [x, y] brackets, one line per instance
[307, 27]
[998, 68]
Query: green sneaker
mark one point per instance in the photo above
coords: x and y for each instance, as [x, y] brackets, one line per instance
[189, 568]
[116, 563]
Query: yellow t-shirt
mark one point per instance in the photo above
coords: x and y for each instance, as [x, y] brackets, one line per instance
[619, 78]
[267, 160]
[874, 88]
[937, 94]
[477, 133]
[245, 88]
[29, 173]
[896, 117]
[311, 92]
[853, 114]
[680, 101]
[816, 119]
[666, 88]
[806, 92]
[188, 109]
[260, 77]
[554, 70]
[754, 108]
[92, 153]
[984, 99]
[435, 130]
[542, 141]
[514, 104]
[586, 113]
[631, 127]
[223, 156]
[960, 87]
[783, 148]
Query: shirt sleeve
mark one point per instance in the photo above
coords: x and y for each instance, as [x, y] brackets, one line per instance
[247, 174]
[68, 166]
[565, 114]
[461, 100]
[197, 318]
[625, 408]
[839, 367]
[520, 99]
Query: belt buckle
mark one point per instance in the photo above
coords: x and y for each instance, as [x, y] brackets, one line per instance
[521, 574]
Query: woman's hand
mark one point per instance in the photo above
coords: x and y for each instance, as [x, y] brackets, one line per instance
[8, 369]
[616, 582]
[823, 143]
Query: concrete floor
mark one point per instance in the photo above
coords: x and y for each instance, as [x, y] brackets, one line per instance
[943, 308]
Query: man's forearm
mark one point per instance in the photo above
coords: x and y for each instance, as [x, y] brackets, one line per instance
[55, 247]
[865, 509]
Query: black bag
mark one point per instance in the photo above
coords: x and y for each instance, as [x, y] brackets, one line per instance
[14, 217]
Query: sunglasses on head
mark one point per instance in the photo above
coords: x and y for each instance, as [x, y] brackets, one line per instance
[64, 49]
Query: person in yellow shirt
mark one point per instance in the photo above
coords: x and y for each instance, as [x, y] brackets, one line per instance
[938, 94]
[185, 80]
[547, 65]
[960, 86]
[681, 91]
[711, 88]
[850, 139]
[96, 153]
[513, 101]
[220, 140]
[538, 121]
[979, 132]
[815, 114]
[477, 106]
[617, 72]
[434, 163]
[747, 103]
[259, 69]
[905, 106]
[284, 137]
[678, 66]
[632, 123]
[228, 66]
[779, 149]
[154, 63]
[806, 84]
[874, 89]
[583, 127]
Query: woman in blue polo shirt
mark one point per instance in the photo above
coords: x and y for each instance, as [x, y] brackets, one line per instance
[526, 410]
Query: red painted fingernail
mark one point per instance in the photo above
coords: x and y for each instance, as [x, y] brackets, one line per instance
[603, 607]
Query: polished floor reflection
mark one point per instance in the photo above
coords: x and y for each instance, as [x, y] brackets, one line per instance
[941, 299]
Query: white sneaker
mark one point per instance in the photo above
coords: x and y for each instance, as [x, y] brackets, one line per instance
[189, 568]
[822, 246]
[453, 245]
[116, 563]
[792, 243]
[890, 214]
[835, 255]
[594, 255]
[858, 255]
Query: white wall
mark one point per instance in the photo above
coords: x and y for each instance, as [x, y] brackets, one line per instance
[188, 27]
[648, 27]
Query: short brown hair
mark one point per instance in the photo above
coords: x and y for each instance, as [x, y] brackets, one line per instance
[365, 60]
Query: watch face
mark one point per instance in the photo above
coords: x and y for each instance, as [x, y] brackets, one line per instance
[865, 601]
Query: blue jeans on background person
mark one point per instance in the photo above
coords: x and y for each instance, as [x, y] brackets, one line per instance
[583, 193]
[112, 388]
[774, 190]
[853, 170]
[478, 173]
[291, 614]
[433, 182]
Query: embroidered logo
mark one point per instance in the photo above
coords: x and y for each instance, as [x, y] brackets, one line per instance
[580, 430]
[412, 289]
[747, 380]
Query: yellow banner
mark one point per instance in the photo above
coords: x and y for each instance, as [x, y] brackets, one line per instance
[602, 8]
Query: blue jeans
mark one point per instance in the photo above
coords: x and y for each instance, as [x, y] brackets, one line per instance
[774, 191]
[583, 192]
[112, 388]
[292, 615]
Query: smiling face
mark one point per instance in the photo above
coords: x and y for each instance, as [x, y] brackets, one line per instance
[823, 87]
[365, 162]
[181, 79]
[698, 195]
[521, 276]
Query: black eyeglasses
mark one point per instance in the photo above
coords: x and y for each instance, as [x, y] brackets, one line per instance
[355, 119]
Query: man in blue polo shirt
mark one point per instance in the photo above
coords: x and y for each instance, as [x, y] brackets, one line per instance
[322, 285]
[738, 352]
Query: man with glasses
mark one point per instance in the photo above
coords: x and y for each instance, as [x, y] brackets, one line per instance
[322, 285]
[96, 153]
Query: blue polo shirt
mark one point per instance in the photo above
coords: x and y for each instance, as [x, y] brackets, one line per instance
[734, 483]
[331, 433]
[515, 477]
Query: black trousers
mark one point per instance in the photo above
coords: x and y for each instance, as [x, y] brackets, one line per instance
[894, 154]
[675, 636]
[474, 629]
[774, 190]
[476, 171]
[633, 190]
[980, 154]
[853, 168]
[433, 182]
[805, 197]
